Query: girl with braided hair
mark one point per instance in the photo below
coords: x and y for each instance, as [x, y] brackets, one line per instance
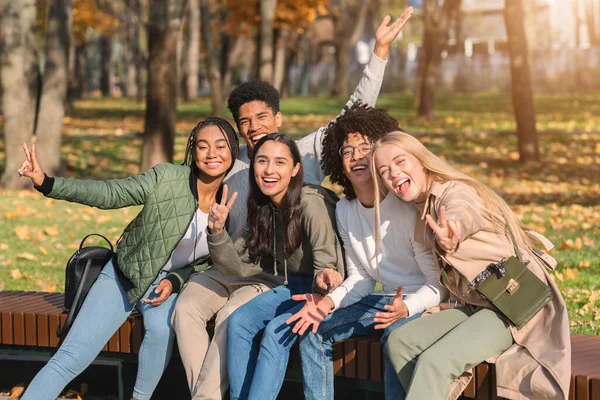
[155, 255]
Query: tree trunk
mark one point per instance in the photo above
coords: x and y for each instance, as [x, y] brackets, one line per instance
[522, 92]
[81, 71]
[132, 48]
[347, 31]
[193, 50]
[105, 53]
[161, 100]
[590, 16]
[18, 72]
[438, 20]
[280, 58]
[212, 67]
[54, 89]
[267, 18]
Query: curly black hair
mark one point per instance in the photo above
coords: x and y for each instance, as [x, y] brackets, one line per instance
[228, 132]
[252, 91]
[373, 123]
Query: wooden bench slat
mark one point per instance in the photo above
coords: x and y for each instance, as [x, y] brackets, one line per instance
[7, 328]
[376, 361]
[363, 358]
[30, 329]
[483, 381]
[54, 323]
[471, 389]
[350, 358]
[124, 335]
[43, 335]
[337, 352]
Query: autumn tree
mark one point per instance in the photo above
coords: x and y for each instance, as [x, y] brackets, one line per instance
[164, 23]
[18, 76]
[349, 20]
[132, 54]
[193, 50]
[87, 15]
[54, 88]
[267, 20]
[522, 91]
[437, 19]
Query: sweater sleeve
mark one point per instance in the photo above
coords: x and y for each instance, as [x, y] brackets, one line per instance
[432, 292]
[226, 256]
[358, 284]
[109, 194]
[367, 91]
[318, 218]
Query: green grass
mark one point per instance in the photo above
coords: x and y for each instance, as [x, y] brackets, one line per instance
[558, 197]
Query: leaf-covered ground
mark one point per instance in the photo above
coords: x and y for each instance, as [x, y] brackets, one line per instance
[559, 197]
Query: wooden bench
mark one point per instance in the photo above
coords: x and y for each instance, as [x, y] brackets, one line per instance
[29, 322]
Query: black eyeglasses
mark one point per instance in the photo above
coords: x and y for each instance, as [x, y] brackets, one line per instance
[348, 151]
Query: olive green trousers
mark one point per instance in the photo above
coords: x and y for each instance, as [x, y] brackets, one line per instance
[429, 353]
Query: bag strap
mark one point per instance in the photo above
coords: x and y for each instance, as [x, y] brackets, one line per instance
[513, 240]
[96, 234]
[75, 306]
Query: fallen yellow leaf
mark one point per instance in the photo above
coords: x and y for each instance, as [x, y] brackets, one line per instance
[27, 256]
[571, 273]
[17, 391]
[43, 251]
[584, 264]
[15, 273]
[22, 232]
[51, 231]
[102, 219]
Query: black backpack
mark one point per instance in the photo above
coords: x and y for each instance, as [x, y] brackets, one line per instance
[83, 268]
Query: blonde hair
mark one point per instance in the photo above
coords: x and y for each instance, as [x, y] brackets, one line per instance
[438, 170]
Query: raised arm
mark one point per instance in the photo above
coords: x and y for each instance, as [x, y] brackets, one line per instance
[367, 91]
[109, 194]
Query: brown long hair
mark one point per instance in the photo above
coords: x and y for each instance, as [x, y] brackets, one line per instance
[260, 214]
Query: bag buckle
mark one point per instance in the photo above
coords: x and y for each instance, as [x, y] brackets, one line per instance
[511, 286]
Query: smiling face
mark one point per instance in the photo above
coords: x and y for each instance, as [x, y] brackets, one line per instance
[256, 119]
[401, 173]
[211, 152]
[356, 158]
[274, 167]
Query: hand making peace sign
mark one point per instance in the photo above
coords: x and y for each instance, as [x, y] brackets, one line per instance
[447, 232]
[219, 212]
[30, 167]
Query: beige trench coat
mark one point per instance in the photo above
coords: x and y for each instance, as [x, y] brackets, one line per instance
[538, 365]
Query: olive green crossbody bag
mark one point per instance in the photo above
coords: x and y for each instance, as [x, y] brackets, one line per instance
[511, 287]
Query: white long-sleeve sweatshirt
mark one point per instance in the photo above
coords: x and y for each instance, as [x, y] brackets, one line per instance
[403, 262]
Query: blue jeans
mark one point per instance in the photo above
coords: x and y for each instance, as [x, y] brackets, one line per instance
[257, 373]
[354, 320]
[104, 310]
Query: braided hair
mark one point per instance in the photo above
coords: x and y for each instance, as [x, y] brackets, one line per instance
[373, 123]
[228, 132]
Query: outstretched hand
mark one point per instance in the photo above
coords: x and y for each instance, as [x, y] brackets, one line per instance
[313, 313]
[219, 212]
[393, 312]
[385, 34]
[447, 232]
[30, 167]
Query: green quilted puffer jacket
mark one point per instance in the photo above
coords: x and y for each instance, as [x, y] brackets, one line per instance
[168, 194]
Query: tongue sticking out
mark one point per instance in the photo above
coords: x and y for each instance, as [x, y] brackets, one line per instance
[404, 186]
